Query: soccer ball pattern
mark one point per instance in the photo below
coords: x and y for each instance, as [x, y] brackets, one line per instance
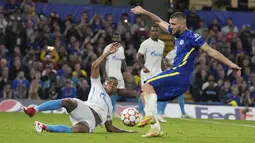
[130, 116]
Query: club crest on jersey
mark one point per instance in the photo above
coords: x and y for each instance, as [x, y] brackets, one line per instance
[181, 42]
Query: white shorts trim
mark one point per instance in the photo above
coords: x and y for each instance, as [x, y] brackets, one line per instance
[82, 113]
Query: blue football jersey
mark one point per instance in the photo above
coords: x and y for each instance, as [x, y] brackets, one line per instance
[187, 46]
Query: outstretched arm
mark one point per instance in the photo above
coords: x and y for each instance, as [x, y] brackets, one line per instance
[217, 55]
[96, 64]
[162, 24]
[110, 128]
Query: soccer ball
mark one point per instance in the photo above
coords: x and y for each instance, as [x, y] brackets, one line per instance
[130, 116]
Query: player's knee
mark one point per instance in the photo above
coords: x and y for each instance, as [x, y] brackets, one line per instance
[148, 88]
[69, 104]
[80, 128]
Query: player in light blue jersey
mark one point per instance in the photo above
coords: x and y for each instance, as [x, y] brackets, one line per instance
[174, 82]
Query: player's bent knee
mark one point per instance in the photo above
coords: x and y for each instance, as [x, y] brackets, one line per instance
[80, 128]
[148, 88]
[69, 104]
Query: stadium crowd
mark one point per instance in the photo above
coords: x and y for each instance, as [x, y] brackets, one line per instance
[49, 58]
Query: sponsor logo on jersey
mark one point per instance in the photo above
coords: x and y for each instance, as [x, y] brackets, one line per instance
[154, 53]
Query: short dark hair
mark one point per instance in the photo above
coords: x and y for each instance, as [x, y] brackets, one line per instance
[110, 79]
[178, 15]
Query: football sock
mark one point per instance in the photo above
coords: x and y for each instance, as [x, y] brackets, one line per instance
[50, 105]
[150, 104]
[140, 106]
[181, 104]
[58, 128]
[161, 108]
[156, 126]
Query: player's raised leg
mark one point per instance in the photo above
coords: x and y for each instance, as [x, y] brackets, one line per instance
[68, 104]
[49, 105]
[150, 105]
[155, 130]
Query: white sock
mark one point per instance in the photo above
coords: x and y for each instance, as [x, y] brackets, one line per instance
[156, 126]
[150, 104]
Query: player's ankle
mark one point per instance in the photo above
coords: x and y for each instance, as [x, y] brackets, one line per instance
[44, 127]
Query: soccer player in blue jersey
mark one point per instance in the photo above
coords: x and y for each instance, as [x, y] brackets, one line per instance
[174, 82]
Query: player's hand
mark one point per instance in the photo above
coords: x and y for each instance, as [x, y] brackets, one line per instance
[145, 70]
[236, 68]
[137, 10]
[114, 48]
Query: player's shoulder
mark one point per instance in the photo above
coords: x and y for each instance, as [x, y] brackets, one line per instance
[107, 47]
[161, 42]
[191, 34]
[121, 48]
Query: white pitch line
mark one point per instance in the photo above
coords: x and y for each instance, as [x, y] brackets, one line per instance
[221, 123]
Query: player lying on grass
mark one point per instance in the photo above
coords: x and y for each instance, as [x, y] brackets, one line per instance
[85, 116]
[174, 82]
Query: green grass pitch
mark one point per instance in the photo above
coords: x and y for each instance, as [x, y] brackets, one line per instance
[18, 128]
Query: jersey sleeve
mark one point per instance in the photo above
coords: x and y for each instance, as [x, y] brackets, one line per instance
[95, 80]
[169, 29]
[142, 49]
[197, 41]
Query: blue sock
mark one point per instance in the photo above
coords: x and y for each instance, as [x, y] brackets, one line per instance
[161, 108]
[140, 106]
[58, 128]
[50, 105]
[181, 103]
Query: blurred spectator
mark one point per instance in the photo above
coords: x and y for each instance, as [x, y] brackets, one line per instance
[4, 79]
[234, 95]
[78, 73]
[199, 78]
[20, 80]
[246, 36]
[200, 30]
[83, 90]
[124, 25]
[52, 92]
[215, 25]
[246, 98]
[228, 27]
[68, 91]
[11, 7]
[49, 55]
[16, 68]
[225, 91]
[136, 25]
[7, 92]
[193, 19]
[210, 90]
